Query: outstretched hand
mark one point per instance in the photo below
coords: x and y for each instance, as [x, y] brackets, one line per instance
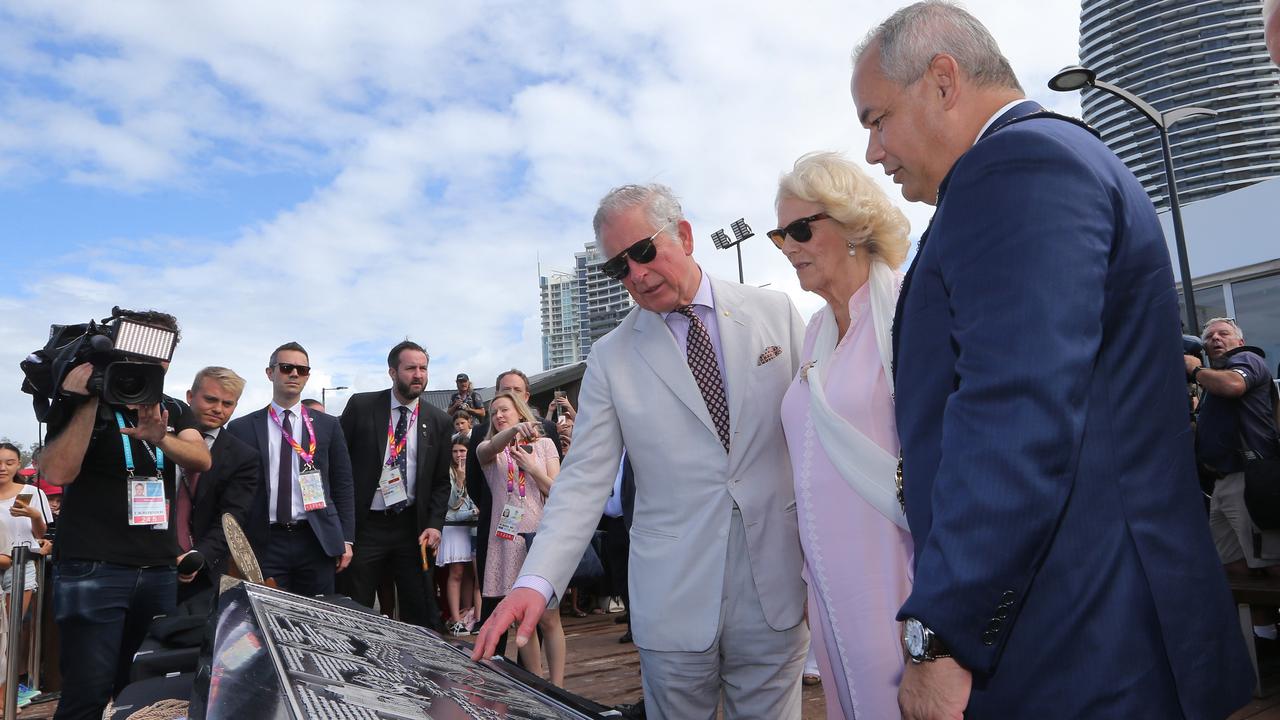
[524, 606]
[153, 423]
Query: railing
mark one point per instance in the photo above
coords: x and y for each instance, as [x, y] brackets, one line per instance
[21, 555]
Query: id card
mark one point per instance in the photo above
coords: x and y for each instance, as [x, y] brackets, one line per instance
[392, 486]
[509, 523]
[147, 504]
[312, 489]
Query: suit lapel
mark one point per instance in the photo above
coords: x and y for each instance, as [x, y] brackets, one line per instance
[658, 348]
[735, 344]
[381, 418]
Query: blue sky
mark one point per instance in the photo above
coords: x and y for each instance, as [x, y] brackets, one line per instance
[320, 173]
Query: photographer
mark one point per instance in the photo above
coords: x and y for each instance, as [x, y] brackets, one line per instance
[114, 560]
[1236, 415]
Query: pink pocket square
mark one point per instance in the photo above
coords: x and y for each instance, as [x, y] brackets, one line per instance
[769, 353]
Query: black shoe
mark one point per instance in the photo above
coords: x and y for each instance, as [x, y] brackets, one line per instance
[626, 638]
[622, 619]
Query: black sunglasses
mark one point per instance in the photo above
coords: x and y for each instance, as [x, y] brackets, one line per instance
[289, 368]
[799, 230]
[642, 251]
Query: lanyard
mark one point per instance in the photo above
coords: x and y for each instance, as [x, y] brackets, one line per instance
[158, 458]
[512, 474]
[308, 455]
[398, 447]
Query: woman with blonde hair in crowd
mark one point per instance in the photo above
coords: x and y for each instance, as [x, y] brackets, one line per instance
[845, 240]
[457, 548]
[520, 465]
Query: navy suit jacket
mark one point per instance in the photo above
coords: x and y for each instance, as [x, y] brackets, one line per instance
[364, 424]
[1062, 552]
[229, 486]
[335, 523]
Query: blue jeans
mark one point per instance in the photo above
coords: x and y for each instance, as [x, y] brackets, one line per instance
[103, 611]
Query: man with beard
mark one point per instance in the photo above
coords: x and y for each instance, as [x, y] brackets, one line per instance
[400, 460]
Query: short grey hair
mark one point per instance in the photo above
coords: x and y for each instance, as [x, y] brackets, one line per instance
[1204, 332]
[913, 36]
[660, 203]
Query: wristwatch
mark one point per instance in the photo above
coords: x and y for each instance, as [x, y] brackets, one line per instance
[920, 642]
[1196, 372]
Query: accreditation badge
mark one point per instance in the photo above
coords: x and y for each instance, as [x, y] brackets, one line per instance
[392, 486]
[147, 506]
[312, 489]
[509, 523]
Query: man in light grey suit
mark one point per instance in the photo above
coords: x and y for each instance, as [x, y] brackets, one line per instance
[691, 383]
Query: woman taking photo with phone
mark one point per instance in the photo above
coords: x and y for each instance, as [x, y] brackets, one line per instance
[520, 464]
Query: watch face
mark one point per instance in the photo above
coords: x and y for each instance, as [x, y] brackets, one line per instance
[913, 637]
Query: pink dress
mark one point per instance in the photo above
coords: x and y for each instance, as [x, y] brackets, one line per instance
[857, 562]
[504, 558]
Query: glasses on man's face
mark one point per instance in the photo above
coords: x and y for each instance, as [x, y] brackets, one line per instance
[642, 251]
[290, 368]
[799, 230]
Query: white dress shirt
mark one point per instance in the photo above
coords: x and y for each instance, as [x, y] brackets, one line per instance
[410, 451]
[297, 429]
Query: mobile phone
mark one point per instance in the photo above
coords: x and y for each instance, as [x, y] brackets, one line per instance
[560, 394]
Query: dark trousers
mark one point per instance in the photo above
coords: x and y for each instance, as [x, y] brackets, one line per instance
[387, 547]
[296, 560]
[617, 548]
[103, 611]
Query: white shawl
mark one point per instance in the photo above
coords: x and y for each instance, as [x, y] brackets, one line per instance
[867, 467]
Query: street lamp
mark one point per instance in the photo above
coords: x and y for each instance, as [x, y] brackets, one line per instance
[741, 231]
[1075, 77]
[325, 390]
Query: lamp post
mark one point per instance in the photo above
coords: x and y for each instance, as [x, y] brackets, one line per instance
[741, 231]
[325, 390]
[1075, 77]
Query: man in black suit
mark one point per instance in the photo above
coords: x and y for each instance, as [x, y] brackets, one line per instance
[302, 522]
[400, 453]
[227, 487]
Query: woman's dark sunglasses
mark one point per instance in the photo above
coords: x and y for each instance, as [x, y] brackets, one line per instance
[642, 251]
[288, 368]
[799, 230]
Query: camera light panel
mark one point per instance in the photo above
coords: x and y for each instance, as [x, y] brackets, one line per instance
[145, 340]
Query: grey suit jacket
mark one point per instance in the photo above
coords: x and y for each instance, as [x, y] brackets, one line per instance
[638, 392]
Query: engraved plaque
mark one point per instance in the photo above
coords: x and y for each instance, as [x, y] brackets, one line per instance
[335, 662]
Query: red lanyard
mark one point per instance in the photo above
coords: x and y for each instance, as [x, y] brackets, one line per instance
[512, 474]
[307, 457]
[398, 447]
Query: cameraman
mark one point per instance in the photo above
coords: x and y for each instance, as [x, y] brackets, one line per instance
[114, 565]
[1236, 413]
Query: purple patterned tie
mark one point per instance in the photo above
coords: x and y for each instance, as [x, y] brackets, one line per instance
[702, 362]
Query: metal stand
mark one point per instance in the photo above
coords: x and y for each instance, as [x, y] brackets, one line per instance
[14, 650]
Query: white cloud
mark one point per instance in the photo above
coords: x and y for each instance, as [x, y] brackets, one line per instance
[462, 143]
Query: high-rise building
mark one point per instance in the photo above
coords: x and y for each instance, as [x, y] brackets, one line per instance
[559, 320]
[1177, 53]
[579, 308]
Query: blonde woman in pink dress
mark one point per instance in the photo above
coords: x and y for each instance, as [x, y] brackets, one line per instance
[845, 240]
[520, 465]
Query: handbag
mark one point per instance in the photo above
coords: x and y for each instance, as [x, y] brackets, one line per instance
[589, 567]
[464, 513]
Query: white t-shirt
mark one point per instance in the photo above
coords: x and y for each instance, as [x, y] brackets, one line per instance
[19, 528]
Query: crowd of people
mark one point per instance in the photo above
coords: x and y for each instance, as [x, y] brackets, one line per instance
[966, 489]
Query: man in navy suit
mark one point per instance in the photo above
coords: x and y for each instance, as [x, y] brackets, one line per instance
[302, 522]
[1064, 567]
